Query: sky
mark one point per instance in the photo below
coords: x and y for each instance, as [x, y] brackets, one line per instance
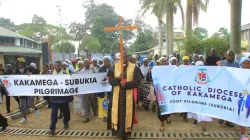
[22, 11]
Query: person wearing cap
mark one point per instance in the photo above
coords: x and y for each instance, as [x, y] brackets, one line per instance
[9, 71]
[185, 60]
[103, 98]
[34, 71]
[25, 101]
[80, 70]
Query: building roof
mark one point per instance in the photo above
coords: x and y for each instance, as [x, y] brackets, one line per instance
[18, 49]
[7, 33]
[245, 27]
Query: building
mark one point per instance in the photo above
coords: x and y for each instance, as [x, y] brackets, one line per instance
[13, 45]
[245, 36]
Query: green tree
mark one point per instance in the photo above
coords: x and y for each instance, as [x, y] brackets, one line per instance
[40, 31]
[146, 38]
[223, 34]
[201, 33]
[91, 43]
[7, 23]
[38, 20]
[98, 16]
[77, 31]
[192, 13]
[64, 47]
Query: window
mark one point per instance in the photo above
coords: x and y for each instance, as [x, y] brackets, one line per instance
[21, 42]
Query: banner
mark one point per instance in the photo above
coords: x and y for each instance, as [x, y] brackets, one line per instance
[55, 85]
[218, 92]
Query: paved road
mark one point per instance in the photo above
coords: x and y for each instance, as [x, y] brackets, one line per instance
[147, 122]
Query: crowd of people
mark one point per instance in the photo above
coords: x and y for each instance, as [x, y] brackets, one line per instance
[118, 107]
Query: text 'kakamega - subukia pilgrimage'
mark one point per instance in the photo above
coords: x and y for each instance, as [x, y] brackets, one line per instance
[54, 82]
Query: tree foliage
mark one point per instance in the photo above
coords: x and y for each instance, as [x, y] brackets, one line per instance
[7, 23]
[77, 31]
[98, 16]
[64, 47]
[219, 41]
[201, 33]
[91, 43]
[146, 38]
[38, 20]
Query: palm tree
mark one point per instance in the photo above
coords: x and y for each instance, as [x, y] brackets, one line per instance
[157, 8]
[160, 8]
[171, 9]
[192, 13]
[235, 27]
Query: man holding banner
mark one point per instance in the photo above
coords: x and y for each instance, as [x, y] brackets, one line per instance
[59, 102]
[121, 106]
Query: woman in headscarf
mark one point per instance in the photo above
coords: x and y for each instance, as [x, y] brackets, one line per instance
[162, 118]
[200, 118]
[243, 104]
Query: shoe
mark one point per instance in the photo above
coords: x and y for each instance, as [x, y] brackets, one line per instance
[220, 121]
[86, 120]
[105, 119]
[24, 120]
[37, 112]
[50, 132]
[244, 137]
[229, 124]
[66, 127]
[95, 114]
[8, 111]
[3, 128]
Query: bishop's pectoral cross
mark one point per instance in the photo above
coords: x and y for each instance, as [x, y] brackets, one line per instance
[121, 28]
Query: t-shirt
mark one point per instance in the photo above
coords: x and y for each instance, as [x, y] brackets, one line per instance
[211, 60]
[233, 64]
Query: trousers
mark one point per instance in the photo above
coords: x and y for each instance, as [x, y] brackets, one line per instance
[89, 100]
[66, 114]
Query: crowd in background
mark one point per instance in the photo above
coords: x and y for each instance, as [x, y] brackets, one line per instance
[97, 104]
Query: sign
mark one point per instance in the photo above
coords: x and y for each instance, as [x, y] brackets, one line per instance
[55, 85]
[218, 92]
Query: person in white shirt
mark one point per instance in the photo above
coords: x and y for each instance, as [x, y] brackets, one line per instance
[145, 85]
[88, 100]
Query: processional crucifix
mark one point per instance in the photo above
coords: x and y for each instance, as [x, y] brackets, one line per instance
[121, 28]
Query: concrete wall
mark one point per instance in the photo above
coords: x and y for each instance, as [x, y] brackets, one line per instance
[63, 56]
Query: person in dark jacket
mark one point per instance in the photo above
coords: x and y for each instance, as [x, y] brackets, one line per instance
[9, 71]
[104, 69]
[3, 123]
[212, 59]
[59, 102]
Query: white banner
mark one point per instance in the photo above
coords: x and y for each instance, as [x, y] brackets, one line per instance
[55, 85]
[218, 92]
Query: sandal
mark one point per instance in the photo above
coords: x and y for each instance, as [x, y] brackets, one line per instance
[86, 120]
[205, 133]
[162, 129]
